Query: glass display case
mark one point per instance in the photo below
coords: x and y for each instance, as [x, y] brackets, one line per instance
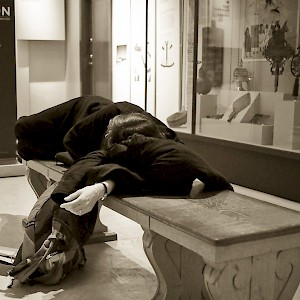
[227, 69]
[239, 72]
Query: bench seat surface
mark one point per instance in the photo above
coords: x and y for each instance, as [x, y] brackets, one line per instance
[220, 219]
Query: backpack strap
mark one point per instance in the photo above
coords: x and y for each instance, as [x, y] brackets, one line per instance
[26, 267]
[35, 224]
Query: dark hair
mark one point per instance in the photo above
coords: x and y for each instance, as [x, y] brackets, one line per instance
[122, 127]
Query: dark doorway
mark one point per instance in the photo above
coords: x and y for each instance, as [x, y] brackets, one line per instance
[96, 48]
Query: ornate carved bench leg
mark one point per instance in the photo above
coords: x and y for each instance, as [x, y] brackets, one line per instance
[178, 270]
[39, 183]
[270, 276]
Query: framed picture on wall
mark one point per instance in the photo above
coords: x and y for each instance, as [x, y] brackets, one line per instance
[266, 19]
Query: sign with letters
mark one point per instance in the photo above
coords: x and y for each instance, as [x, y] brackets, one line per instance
[7, 80]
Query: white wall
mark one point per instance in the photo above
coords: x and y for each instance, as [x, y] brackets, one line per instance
[46, 74]
[48, 71]
[40, 19]
[168, 58]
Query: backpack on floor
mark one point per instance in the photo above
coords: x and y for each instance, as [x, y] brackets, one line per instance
[50, 249]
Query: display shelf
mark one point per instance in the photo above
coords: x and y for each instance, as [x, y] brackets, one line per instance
[287, 124]
[240, 127]
[11, 167]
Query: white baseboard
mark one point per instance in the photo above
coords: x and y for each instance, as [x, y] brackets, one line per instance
[11, 168]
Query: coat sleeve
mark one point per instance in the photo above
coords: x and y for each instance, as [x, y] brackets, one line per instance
[169, 167]
[177, 166]
[96, 167]
[144, 165]
[75, 177]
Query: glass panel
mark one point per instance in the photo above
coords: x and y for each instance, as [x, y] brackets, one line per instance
[156, 75]
[245, 83]
[174, 62]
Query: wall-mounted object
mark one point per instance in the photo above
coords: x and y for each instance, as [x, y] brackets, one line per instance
[166, 48]
[121, 53]
[40, 19]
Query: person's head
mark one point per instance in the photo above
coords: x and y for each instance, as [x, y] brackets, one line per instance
[121, 127]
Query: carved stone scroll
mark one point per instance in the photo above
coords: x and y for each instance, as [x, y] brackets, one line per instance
[178, 270]
[269, 276]
[230, 280]
[287, 273]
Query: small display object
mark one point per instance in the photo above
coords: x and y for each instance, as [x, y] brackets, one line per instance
[277, 51]
[177, 119]
[203, 83]
[239, 107]
[240, 76]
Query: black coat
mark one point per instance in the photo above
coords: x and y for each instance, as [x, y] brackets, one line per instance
[76, 126]
[142, 165]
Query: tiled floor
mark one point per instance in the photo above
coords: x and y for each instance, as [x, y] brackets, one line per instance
[114, 270]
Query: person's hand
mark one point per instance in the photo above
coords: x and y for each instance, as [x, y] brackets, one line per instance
[83, 200]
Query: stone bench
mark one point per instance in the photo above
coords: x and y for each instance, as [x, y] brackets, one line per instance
[209, 245]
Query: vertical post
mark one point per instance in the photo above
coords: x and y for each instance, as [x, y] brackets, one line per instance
[195, 57]
[146, 57]
[86, 39]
